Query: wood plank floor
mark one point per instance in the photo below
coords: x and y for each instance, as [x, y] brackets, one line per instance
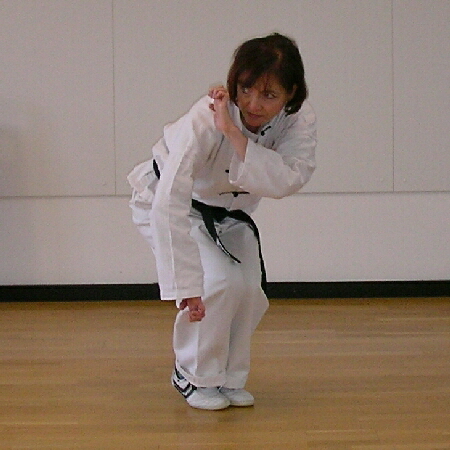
[357, 374]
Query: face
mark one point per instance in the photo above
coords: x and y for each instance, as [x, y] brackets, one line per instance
[261, 102]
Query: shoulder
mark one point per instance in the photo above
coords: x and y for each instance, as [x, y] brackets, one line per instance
[294, 129]
[307, 112]
[194, 129]
[200, 110]
[299, 123]
[198, 118]
[306, 115]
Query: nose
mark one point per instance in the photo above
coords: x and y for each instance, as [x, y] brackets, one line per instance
[254, 103]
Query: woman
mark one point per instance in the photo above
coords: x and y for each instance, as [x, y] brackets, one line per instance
[255, 138]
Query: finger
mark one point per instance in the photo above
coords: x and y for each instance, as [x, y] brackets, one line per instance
[183, 305]
[215, 87]
[194, 317]
[218, 93]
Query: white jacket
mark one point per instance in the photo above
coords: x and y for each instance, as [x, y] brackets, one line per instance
[197, 161]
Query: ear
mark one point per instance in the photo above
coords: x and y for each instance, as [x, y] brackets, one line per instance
[291, 95]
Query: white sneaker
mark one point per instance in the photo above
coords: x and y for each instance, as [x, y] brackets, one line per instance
[238, 397]
[199, 397]
[208, 398]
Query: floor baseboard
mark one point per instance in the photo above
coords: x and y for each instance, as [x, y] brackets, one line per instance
[300, 290]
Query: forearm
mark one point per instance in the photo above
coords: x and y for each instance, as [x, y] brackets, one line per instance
[224, 123]
[265, 173]
[237, 140]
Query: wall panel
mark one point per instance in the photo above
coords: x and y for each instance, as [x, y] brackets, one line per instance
[56, 98]
[422, 95]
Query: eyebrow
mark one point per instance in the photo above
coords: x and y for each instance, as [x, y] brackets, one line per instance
[265, 90]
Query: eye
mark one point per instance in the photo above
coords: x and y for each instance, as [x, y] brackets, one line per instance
[270, 95]
[245, 90]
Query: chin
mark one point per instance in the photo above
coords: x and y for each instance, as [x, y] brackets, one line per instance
[255, 122]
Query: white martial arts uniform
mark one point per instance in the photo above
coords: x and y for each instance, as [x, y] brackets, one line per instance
[197, 162]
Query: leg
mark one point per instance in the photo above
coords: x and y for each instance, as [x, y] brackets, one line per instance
[251, 305]
[216, 351]
[201, 348]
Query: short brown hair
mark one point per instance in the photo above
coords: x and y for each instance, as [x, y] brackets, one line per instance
[275, 55]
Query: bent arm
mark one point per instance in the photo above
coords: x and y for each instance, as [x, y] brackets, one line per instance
[281, 171]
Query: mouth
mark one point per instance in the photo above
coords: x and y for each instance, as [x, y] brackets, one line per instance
[254, 116]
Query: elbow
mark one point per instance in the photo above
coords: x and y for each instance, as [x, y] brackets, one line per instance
[294, 185]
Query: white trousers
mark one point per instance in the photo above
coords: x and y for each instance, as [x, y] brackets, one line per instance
[216, 350]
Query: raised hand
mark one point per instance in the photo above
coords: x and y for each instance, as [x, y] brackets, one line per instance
[219, 106]
[223, 121]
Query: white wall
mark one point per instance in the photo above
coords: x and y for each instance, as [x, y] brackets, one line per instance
[86, 87]
[340, 237]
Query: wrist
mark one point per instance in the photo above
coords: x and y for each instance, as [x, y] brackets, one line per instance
[237, 140]
[231, 131]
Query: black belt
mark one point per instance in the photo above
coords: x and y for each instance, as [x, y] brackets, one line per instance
[216, 214]
[213, 214]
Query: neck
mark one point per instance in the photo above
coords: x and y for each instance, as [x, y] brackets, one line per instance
[254, 130]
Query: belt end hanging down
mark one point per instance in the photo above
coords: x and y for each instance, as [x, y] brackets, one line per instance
[223, 248]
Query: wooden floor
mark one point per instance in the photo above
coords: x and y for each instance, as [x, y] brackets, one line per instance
[327, 375]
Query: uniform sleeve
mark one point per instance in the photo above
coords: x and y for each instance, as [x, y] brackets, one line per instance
[180, 273]
[283, 170]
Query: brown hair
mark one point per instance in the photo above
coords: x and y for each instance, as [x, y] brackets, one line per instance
[275, 55]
